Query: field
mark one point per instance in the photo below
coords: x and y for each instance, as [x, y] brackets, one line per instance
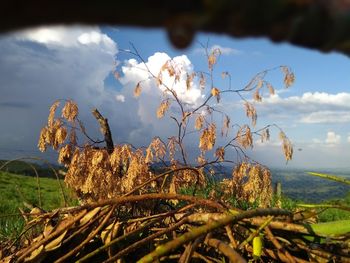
[19, 191]
[15, 190]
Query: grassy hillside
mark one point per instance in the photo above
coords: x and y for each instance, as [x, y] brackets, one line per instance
[26, 168]
[16, 189]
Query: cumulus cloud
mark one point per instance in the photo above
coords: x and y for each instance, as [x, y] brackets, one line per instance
[74, 37]
[332, 138]
[135, 72]
[41, 65]
[348, 138]
[120, 98]
[146, 104]
[317, 107]
[326, 117]
[224, 50]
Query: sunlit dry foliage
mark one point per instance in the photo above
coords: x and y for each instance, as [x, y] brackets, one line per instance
[265, 135]
[251, 112]
[202, 81]
[199, 122]
[186, 179]
[52, 113]
[163, 107]
[250, 183]
[207, 138]
[172, 148]
[220, 154]
[271, 89]
[225, 126]
[289, 77]
[256, 96]
[189, 80]
[286, 146]
[70, 111]
[224, 74]
[137, 90]
[212, 58]
[244, 136]
[96, 172]
[201, 159]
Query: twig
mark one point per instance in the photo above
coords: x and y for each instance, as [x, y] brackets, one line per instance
[324, 254]
[255, 233]
[142, 227]
[190, 249]
[199, 231]
[230, 236]
[87, 240]
[278, 245]
[24, 253]
[226, 250]
[146, 240]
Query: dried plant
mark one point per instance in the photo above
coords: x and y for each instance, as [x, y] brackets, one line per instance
[102, 172]
[128, 204]
[250, 183]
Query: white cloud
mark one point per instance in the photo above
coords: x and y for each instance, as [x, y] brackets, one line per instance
[317, 107]
[58, 36]
[332, 138]
[135, 72]
[348, 138]
[120, 98]
[151, 95]
[224, 50]
[326, 117]
[41, 65]
[316, 141]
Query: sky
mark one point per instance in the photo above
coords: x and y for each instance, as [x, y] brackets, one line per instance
[41, 65]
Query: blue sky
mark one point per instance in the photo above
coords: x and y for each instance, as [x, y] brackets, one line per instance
[38, 66]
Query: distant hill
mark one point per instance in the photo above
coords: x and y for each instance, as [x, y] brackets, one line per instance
[299, 185]
[25, 168]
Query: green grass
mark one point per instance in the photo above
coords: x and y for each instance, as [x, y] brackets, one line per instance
[332, 214]
[16, 189]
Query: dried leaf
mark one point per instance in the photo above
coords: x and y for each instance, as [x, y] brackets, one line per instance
[89, 216]
[207, 138]
[244, 137]
[224, 74]
[56, 243]
[199, 122]
[256, 96]
[36, 255]
[215, 92]
[65, 154]
[251, 112]
[70, 111]
[42, 139]
[202, 81]
[201, 159]
[189, 80]
[137, 90]
[271, 89]
[265, 136]
[260, 84]
[220, 154]
[226, 126]
[51, 117]
[110, 232]
[163, 107]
